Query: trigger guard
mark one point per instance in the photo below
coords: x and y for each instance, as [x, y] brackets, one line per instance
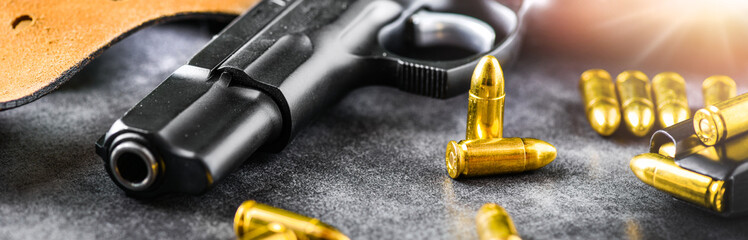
[444, 78]
[432, 29]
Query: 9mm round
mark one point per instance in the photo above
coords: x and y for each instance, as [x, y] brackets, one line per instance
[600, 101]
[716, 123]
[634, 90]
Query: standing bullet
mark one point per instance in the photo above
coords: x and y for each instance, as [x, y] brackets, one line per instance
[479, 157]
[252, 217]
[600, 101]
[717, 89]
[670, 94]
[486, 101]
[662, 173]
[636, 102]
[726, 119]
[494, 223]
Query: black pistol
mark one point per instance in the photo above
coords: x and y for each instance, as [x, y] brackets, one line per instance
[269, 72]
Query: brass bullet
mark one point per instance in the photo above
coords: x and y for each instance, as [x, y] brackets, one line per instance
[669, 90]
[662, 173]
[717, 89]
[600, 101]
[486, 101]
[726, 119]
[636, 102]
[480, 157]
[667, 149]
[252, 217]
[271, 231]
[494, 223]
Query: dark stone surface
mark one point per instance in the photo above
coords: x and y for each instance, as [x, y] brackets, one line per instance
[372, 165]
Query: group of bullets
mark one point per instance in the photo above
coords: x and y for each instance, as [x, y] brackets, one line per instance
[255, 221]
[485, 151]
[601, 101]
[698, 160]
[715, 172]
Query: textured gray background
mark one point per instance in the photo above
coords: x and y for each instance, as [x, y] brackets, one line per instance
[372, 165]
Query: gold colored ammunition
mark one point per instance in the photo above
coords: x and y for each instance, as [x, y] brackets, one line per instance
[715, 123]
[717, 89]
[494, 223]
[662, 173]
[486, 101]
[253, 219]
[667, 149]
[636, 102]
[271, 231]
[669, 90]
[600, 101]
[479, 157]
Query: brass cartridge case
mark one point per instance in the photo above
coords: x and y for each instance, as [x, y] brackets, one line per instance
[636, 102]
[252, 217]
[715, 123]
[600, 101]
[669, 90]
[480, 157]
[485, 117]
[494, 223]
[718, 88]
[662, 173]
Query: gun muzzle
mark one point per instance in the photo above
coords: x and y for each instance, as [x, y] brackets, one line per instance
[272, 70]
[133, 165]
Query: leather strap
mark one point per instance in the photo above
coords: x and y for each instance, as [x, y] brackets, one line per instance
[43, 43]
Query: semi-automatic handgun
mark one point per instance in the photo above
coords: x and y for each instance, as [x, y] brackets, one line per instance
[270, 71]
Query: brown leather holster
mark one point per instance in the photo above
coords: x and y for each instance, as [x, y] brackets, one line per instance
[43, 43]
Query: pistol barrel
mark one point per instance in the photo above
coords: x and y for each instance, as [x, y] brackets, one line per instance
[178, 144]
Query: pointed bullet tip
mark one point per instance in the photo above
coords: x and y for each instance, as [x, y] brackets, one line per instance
[604, 118]
[539, 153]
[335, 235]
[671, 114]
[491, 207]
[644, 166]
[487, 77]
[639, 118]
[493, 222]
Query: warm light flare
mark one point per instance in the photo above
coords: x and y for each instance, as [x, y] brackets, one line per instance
[706, 37]
[708, 28]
